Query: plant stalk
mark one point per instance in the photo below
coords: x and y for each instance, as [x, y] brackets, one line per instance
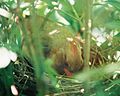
[87, 24]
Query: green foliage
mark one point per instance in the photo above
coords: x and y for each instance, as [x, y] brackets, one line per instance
[115, 4]
[28, 35]
[6, 80]
[105, 15]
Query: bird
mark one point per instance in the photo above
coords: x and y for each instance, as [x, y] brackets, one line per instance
[66, 54]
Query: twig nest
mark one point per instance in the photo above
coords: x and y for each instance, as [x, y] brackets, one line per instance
[6, 56]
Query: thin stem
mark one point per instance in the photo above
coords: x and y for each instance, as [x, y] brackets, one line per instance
[87, 24]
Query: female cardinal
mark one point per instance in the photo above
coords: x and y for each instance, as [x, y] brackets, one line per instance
[67, 57]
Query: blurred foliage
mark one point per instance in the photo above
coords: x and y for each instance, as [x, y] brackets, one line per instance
[36, 26]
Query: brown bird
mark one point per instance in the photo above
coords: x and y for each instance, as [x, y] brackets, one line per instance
[59, 43]
[67, 57]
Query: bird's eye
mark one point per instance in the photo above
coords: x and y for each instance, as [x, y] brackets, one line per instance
[66, 64]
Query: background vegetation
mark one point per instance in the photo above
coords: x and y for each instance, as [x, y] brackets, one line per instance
[29, 28]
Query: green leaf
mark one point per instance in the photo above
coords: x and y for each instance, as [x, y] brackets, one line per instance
[100, 15]
[113, 24]
[79, 6]
[49, 3]
[116, 42]
[66, 6]
[15, 38]
[41, 10]
[50, 71]
[74, 24]
[115, 4]
[7, 80]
